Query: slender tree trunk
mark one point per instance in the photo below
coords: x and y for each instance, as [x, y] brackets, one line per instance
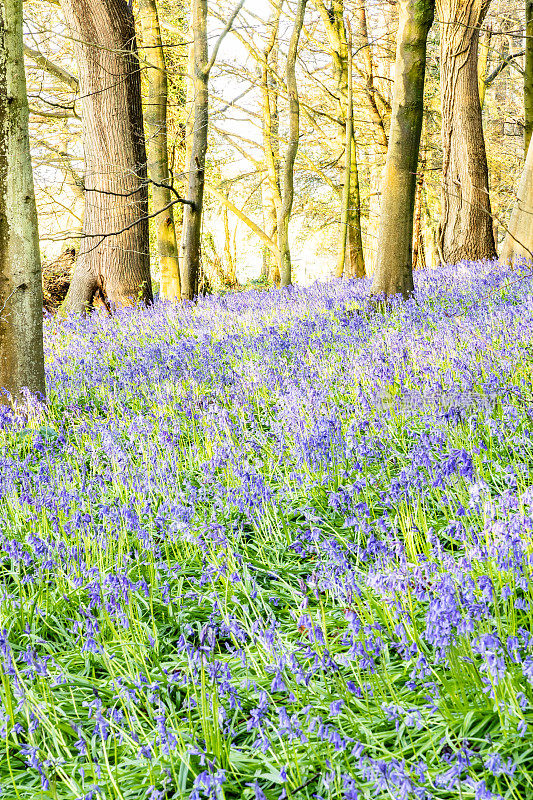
[518, 242]
[200, 65]
[192, 215]
[21, 298]
[231, 273]
[272, 199]
[114, 259]
[270, 267]
[528, 76]
[394, 269]
[292, 148]
[466, 230]
[346, 194]
[157, 145]
[351, 263]
[371, 91]
[418, 242]
[355, 255]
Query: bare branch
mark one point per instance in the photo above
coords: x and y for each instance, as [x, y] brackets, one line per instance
[53, 69]
[223, 35]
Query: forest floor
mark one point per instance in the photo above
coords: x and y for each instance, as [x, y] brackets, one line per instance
[275, 545]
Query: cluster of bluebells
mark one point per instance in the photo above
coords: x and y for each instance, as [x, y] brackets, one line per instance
[275, 544]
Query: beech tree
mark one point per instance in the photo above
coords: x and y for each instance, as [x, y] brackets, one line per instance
[466, 229]
[113, 263]
[394, 268]
[21, 299]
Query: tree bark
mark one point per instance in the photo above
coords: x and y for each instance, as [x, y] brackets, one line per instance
[394, 268]
[518, 242]
[528, 77]
[201, 65]
[272, 200]
[114, 260]
[370, 88]
[347, 190]
[483, 63]
[192, 215]
[466, 230]
[155, 117]
[292, 148]
[21, 298]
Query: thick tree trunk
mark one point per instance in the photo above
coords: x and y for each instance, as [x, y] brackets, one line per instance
[528, 77]
[114, 259]
[155, 117]
[292, 148]
[466, 230]
[518, 242]
[21, 298]
[394, 268]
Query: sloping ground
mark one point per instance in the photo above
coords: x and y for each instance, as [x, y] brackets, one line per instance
[275, 546]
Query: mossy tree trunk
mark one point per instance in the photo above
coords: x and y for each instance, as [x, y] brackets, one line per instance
[394, 267]
[21, 298]
[155, 117]
[352, 262]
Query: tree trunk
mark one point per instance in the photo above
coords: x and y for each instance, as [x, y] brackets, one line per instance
[157, 145]
[270, 266]
[466, 230]
[518, 242]
[370, 88]
[341, 52]
[21, 298]
[272, 199]
[192, 215]
[394, 268]
[483, 63]
[292, 148]
[528, 77]
[346, 193]
[418, 240]
[200, 64]
[114, 259]
[355, 255]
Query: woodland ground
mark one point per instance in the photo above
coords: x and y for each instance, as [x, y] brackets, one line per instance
[275, 545]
